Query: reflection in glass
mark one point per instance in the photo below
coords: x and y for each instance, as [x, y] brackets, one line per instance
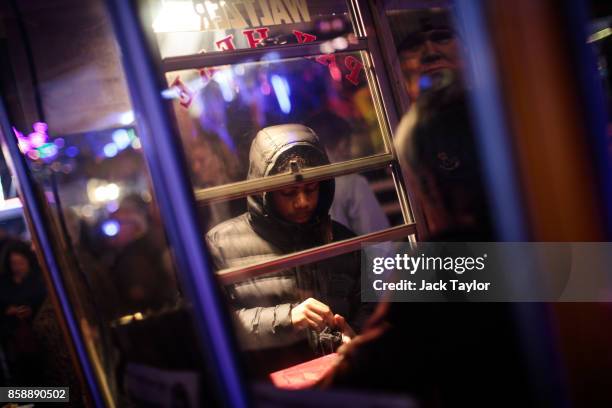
[220, 109]
[185, 27]
[428, 47]
[74, 124]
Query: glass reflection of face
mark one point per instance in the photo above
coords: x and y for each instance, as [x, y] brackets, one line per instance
[20, 266]
[429, 53]
[298, 203]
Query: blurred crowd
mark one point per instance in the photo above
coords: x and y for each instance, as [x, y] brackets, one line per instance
[22, 295]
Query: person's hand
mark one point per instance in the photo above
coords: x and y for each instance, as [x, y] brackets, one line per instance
[24, 312]
[311, 314]
[347, 331]
[371, 335]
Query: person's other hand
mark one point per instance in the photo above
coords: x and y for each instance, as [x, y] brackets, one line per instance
[347, 331]
[311, 314]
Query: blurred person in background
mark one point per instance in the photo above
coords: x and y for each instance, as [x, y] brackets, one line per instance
[355, 205]
[437, 139]
[22, 292]
[452, 353]
[139, 269]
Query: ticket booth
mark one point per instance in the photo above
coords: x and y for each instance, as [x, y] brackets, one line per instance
[129, 124]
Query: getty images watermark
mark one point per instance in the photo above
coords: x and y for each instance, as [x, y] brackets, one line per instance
[413, 264]
[489, 272]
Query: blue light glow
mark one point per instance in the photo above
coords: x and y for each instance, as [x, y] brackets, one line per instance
[112, 206]
[72, 151]
[110, 150]
[425, 82]
[224, 79]
[271, 56]
[282, 92]
[121, 137]
[110, 228]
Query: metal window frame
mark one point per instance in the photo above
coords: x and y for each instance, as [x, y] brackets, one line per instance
[387, 113]
[386, 108]
[378, 37]
[37, 215]
[171, 184]
[232, 275]
[242, 189]
[241, 56]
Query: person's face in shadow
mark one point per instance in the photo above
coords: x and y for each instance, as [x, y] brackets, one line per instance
[428, 56]
[298, 203]
[20, 267]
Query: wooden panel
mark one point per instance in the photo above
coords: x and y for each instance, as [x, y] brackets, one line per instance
[548, 128]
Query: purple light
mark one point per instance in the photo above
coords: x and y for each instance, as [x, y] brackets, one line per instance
[72, 151]
[39, 136]
[17, 133]
[265, 88]
[112, 206]
[59, 142]
[337, 24]
[22, 142]
[37, 139]
[40, 127]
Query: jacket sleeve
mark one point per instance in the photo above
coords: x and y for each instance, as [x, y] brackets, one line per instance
[257, 327]
[266, 327]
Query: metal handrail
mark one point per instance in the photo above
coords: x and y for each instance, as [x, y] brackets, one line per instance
[231, 275]
[271, 53]
[245, 188]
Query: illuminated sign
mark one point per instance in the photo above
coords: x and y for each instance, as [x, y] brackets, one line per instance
[240, 14]
[205, 15]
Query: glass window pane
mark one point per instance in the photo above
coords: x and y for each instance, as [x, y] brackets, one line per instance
[219, 110]
[361, 204]
[186, 27]
[68, 104]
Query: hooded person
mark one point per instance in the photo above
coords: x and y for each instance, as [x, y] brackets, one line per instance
[285, 309]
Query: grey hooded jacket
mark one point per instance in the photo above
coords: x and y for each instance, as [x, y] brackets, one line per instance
[263, 305]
